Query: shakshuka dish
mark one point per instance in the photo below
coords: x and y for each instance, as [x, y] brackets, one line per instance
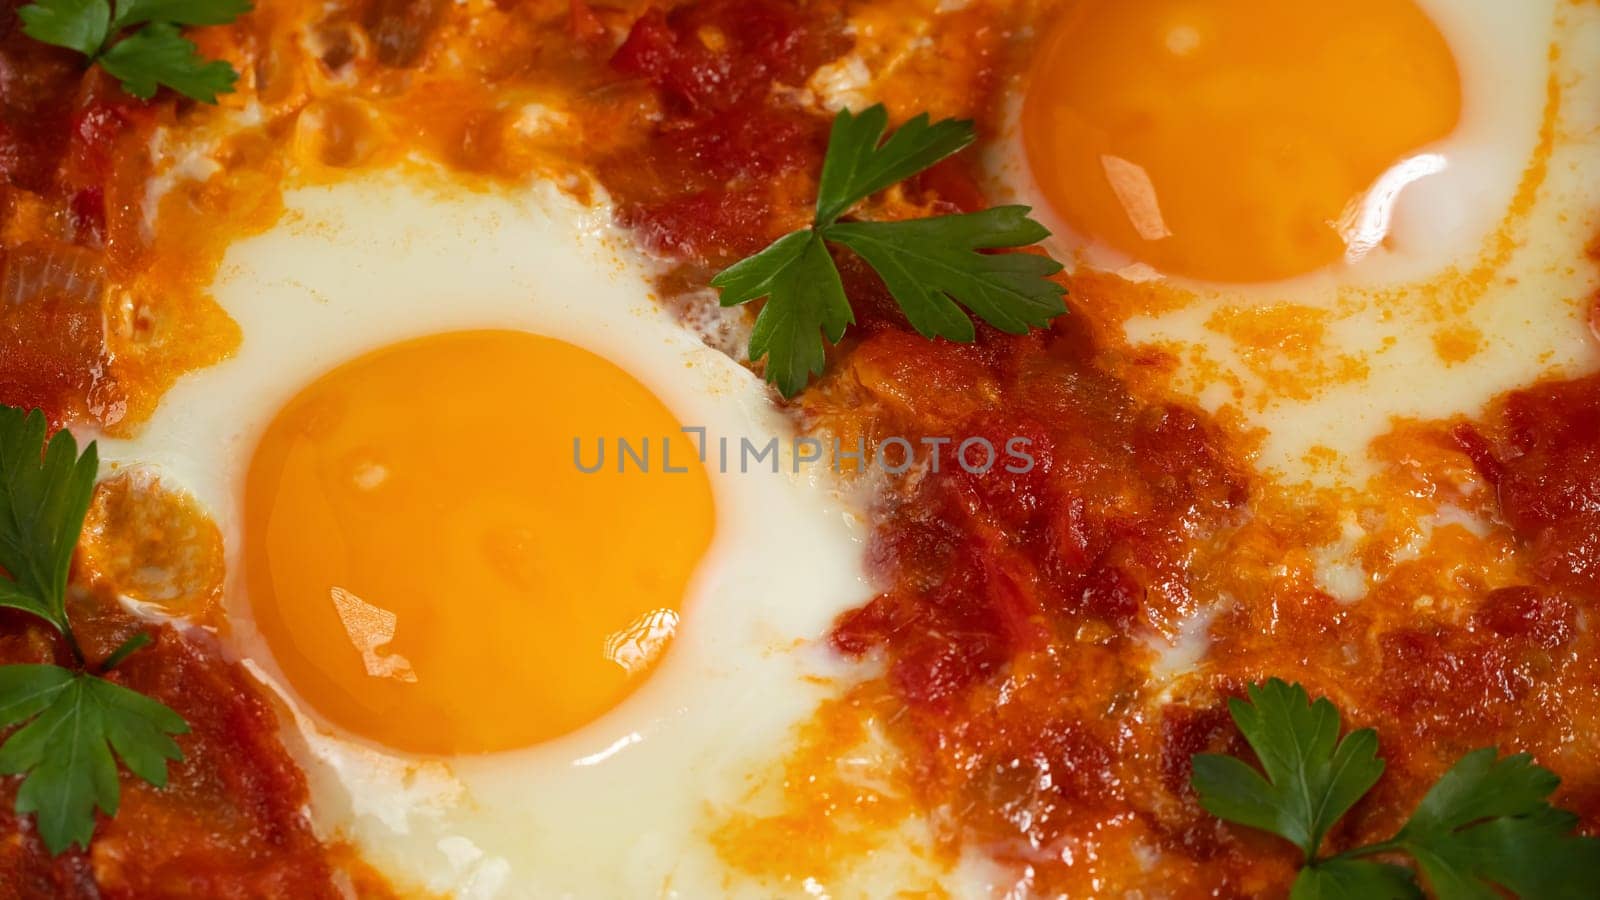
[800, 448]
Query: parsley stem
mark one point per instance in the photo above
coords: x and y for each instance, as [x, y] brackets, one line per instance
[1388, 846]
[72, 644]
[126, 650]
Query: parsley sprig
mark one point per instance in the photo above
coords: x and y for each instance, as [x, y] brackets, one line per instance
[139, 43]
[933, 267]
[71, 719]
[1485, 825]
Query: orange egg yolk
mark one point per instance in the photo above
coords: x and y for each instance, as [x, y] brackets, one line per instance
[1229, 140]
[434, 571]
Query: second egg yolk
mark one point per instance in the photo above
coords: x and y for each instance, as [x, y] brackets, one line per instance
[431, 566]
[1227, 140]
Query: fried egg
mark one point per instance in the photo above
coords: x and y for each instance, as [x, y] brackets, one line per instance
[1346, 217]
[508, 675]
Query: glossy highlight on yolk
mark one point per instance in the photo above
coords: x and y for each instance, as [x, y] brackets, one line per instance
[431, 568]
[1232, 140]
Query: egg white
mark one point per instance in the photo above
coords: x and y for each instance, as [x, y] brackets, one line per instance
[620, 807]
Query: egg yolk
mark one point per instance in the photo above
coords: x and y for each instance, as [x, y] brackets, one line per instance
[431, 566]
[1231, 140]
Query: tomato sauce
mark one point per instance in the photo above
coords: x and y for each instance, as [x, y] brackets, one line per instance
[229, 824]
[1009, 625]
[712, 180]
[1020, 678]
[1544, 460]
[53, 150]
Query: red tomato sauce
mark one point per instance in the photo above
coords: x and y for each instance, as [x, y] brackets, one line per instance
[1015, 619]
[712, 179]
[230, 823]
[1049, 570]
[55, 142]
[1542, 452]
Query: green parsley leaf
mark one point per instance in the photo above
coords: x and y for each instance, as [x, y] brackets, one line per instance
[178, 12]
[856, 167]
[1313, 778]
[1486, 822]
[933, 267]
[160, 55]
[1337, 879]
[144, 59]
[1484, 828]
[805, 298]
[77, 719]
[1478, 787]
[927, 263]
[44, 495]
[80, 25]
[66, 750]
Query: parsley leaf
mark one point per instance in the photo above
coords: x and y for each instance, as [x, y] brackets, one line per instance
[1340, 879]
[179, 12]
[71, 721]
[80, 25]
[1313, 778]
[927, 262]
[1486, 823]
[933, 267]
[44, 495]
[154, 55]
[856, 167]
[159, 55]
[805, 296]
[65, 751]
[1484, 827]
